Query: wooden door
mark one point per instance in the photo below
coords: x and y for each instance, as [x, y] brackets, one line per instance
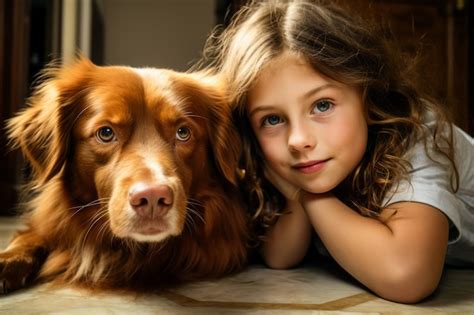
[13, 79]
[438, 32]
[29, 38]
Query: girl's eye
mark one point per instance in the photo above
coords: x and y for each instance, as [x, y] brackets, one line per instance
[322, 106]
[105, 135]
[272, 120]
[183, 133]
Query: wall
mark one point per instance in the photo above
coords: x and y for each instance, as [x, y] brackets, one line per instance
[159, 33]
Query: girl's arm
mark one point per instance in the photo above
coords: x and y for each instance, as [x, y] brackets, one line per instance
[288, 239]
[400, 259]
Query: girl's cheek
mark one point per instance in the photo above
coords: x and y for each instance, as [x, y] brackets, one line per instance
[264, 144]
[271, 150]
[272, 142]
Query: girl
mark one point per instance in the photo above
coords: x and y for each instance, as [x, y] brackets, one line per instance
[330, 117]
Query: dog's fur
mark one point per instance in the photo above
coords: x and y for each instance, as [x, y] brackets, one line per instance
[133, 178]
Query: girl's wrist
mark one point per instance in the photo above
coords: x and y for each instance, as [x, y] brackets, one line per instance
[292, 202]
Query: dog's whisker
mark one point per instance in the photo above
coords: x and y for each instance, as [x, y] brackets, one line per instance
[101, 227]
[98, 214]
[195, 204]
[198, 116]
[90, 204]
[96, 218]
[82, 111]
[195, 213]
[195, 201]
[101, 213]
[102, 230]
[191, 114]
[189, 223]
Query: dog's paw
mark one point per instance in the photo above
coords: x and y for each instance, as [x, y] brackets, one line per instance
[19, 268]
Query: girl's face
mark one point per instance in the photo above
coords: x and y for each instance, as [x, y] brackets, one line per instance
[312, 130]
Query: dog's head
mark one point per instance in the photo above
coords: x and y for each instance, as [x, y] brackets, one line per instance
[133, 144]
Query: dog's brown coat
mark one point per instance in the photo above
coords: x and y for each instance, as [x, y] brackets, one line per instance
[81, 228]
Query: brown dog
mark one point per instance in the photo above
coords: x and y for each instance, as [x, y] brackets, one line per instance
[134, 180]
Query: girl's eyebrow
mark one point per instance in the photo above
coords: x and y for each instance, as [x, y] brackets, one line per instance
[317, 90]
[261, 108]
[303, 97]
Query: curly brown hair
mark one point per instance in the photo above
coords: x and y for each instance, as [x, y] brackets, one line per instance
[345, 48]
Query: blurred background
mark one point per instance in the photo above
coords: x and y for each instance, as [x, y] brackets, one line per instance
[171, 34]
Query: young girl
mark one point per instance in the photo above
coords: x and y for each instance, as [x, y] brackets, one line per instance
[330, 117]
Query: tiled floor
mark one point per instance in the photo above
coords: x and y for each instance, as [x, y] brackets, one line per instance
[311, 289]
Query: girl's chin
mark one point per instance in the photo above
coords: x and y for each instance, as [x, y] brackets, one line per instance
[320, 189]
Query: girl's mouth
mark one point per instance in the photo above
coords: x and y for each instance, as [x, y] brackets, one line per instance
[310, 166]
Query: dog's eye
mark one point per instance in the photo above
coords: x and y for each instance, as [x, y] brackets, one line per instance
[105, 134]
[183, 133]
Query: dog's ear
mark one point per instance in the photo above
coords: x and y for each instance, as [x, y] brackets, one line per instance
[227, 145]
[225, 140]
[43, 128]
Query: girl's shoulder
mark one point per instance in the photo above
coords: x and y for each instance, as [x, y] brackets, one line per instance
[427, 156]
[424, 148]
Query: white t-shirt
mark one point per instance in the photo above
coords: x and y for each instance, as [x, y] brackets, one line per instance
[429, 183]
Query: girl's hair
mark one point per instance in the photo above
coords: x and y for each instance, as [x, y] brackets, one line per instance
[347, 49]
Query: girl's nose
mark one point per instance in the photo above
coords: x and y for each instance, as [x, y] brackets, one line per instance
[301, 139]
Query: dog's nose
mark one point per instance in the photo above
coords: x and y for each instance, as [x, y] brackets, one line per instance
[151, 201]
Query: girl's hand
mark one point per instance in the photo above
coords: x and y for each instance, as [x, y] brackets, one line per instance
[289, 190]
